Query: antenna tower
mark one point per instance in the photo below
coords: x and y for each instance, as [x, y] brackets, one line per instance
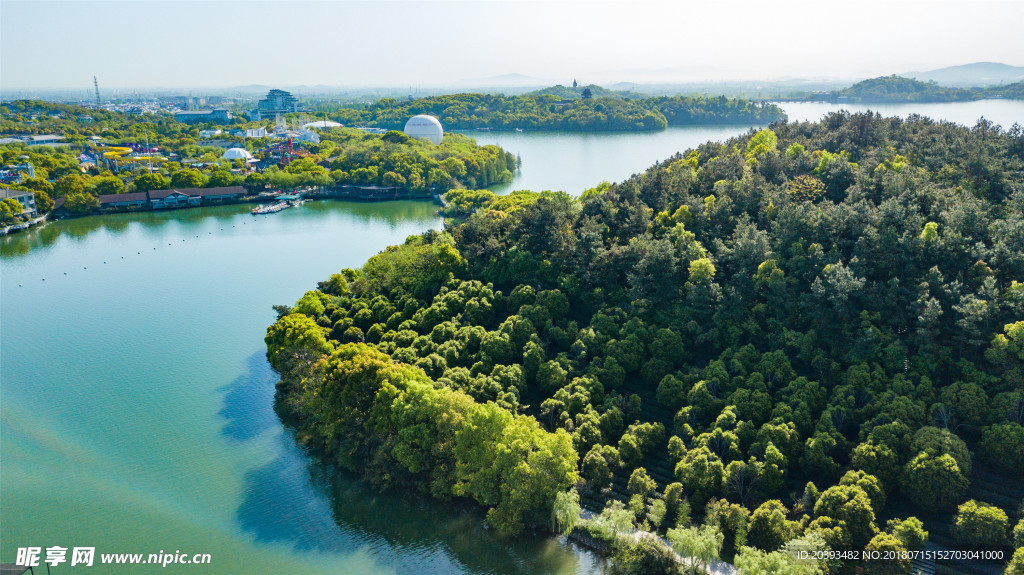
[96, 84]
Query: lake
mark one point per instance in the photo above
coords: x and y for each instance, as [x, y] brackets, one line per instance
[575, 162]
[137, 401]
[136, 412]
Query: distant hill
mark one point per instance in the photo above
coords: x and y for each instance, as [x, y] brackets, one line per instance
[570, 93]
[977, 74]
[891, 89]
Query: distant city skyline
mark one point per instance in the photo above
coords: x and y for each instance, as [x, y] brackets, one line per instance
[147, 45]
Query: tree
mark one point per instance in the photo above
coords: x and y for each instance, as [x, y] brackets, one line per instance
[645, 556]
[769, 528]
[108, 185]
[147, 182]
[934, 483]
[891, 558]
[613, 522]
[878, 460]
[81, 203]
[870, 485]
[9, 210]
[188, 178]
[700, 472]
[700, 546]
[787, 561]
[764, 141]
[1016, 565]
[69, 185]
[805, 188]
[566, 512]
[255, 182]
[220, 179]
[980, 524]
[910, 532]
[640, 483]
[1002, 446]
[851, 505]
[595, 468]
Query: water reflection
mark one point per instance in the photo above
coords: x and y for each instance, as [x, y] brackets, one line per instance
[310, 506]
[247, 400]
[391, 215]
[300, 501]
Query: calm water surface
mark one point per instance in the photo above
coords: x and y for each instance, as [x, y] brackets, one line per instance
[1005, 113]
[137, 402]
[576, 162]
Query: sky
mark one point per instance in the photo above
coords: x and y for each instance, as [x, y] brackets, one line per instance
[151, 44]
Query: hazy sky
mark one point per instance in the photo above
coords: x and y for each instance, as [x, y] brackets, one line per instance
[146, 44]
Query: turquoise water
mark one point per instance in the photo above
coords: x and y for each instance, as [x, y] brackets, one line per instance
[137, 402]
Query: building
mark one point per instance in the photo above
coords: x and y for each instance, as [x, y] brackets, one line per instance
[46, 139]
[176, 198]
[260, 132]
[134, 199]
[26, 199]
[276, 102]
[220, 115]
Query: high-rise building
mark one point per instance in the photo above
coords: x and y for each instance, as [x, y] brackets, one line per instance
[276, 102]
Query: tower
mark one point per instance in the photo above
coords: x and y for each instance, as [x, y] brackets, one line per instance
[96, 84]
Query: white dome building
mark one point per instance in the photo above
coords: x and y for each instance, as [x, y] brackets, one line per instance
[424, 127]
[236, 154]
[322, 124]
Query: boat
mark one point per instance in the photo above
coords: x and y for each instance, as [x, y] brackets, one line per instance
[278, 206]
[270, 209]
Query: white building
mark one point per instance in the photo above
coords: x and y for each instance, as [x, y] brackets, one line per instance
[26, 199]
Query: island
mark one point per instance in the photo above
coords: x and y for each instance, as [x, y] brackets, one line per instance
[808, 337]
[897, 89]
[580, 109]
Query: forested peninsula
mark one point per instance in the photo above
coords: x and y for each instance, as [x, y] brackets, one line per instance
[896, 89]
[807, 337]
[564, 110]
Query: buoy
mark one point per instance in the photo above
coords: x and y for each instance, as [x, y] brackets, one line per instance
[122, 257]
[65, 273]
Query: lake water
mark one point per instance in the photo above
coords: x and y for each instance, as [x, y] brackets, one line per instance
[575, 162]
[1002, 112]
[135, 399]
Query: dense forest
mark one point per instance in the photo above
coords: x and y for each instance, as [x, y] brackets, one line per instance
[892, 89]
[342, 156]
[808, 337]
[548, 111]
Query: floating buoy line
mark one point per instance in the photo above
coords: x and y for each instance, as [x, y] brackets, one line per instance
[139, 252]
